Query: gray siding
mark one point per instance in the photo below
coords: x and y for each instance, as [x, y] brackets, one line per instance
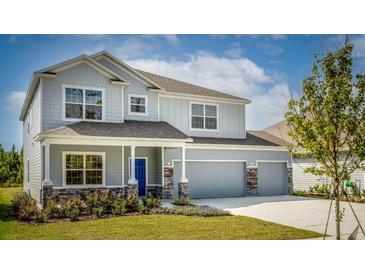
[80, 75]
[302, 181]
[32, 149]
[136, 87]
[154, 168]
[113, 162]
[231, 118]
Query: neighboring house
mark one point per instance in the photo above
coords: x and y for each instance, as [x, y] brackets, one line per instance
[93, 122]
[301, 180]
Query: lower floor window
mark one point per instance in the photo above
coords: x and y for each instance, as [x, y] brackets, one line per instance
[83, 168]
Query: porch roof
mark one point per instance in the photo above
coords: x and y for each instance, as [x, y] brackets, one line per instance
[128, 129]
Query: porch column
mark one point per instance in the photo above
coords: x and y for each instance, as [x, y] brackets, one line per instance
[183, 185]
[132, 179]
[47, 179]
[183, 177]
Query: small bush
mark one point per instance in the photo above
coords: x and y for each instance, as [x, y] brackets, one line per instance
[151, 202]
[28, 212]
[99, 200]
[20, 203]
[73, 208]
[131, 203]
[52, 210]
[39, 217]
[321, 189]
[119, 207]
[142, 209]
[97, 211]
[182, 201]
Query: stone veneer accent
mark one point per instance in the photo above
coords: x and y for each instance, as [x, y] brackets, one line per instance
[183, 189]
[290, 180]
[132, 189]
[67, 193]
[154, 191]
[168, 188]
[251, 180]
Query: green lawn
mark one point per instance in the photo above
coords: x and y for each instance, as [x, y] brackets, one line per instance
[148, 227]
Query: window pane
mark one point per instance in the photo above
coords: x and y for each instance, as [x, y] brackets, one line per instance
[211, 111]
[74, 177]
[94, 162]
[93, 97]
[197, 122]
[73, 95]
[135, 108]
[73, 111]
[94, 177]
[93, 112]
[138, 100]
[210, 123]
[197, 109]
[74, 161]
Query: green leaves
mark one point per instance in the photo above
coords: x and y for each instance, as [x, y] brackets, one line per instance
[328, 121]
[11, 167]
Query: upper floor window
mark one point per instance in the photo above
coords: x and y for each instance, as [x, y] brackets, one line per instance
[83, 103]
[204, 116]
[137, 104]
[29, 120]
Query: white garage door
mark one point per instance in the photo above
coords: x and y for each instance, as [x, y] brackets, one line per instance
[213, 179]
[272, 178]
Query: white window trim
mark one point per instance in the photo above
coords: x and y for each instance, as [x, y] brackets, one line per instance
[84, 185]
[130, 112]
[129, 168]
[191, 112]
[83, 103]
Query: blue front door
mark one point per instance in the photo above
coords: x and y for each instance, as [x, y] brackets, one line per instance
[140, 166]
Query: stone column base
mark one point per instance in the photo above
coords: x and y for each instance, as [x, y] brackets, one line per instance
[251, 187]
[132, 189]
[290, 180]
[183, 188]
[47, 194]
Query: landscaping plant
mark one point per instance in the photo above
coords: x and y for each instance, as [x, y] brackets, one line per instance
[327, 121]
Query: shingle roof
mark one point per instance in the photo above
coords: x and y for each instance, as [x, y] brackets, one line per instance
[253, 138]
[280, 130]
[176, 86]
[129, 129]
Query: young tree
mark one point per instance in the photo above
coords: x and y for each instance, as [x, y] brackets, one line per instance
[328, 121]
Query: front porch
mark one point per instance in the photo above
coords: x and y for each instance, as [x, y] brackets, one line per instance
[71, 170]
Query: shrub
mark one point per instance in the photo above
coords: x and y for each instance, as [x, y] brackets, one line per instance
[73, 208]
[52, 210]
[119, 207]
[142, 209]
[39, 217]
[131, 203]
[182, 201]
[29, 211]
[151, 202]
[321, 189]
[97, 211]
[99, 200]
[20, 202]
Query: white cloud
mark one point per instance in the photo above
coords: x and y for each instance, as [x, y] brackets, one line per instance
[239, 76]
[131, 48]
[172, 39]
[95, 49]
[278, 36]
[270, 48]
[14, 100]
[235, 51]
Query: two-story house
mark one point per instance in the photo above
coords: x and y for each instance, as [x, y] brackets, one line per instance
[93, 122]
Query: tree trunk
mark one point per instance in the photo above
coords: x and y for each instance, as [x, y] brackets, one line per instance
[338, 218]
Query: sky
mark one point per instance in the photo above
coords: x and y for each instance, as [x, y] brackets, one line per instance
[266, 69]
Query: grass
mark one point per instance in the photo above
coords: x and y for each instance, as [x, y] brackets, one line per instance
[151, 227]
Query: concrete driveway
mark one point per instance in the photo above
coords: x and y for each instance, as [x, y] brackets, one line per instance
[301, 212]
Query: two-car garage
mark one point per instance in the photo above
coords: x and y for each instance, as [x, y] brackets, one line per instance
[211, 179]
